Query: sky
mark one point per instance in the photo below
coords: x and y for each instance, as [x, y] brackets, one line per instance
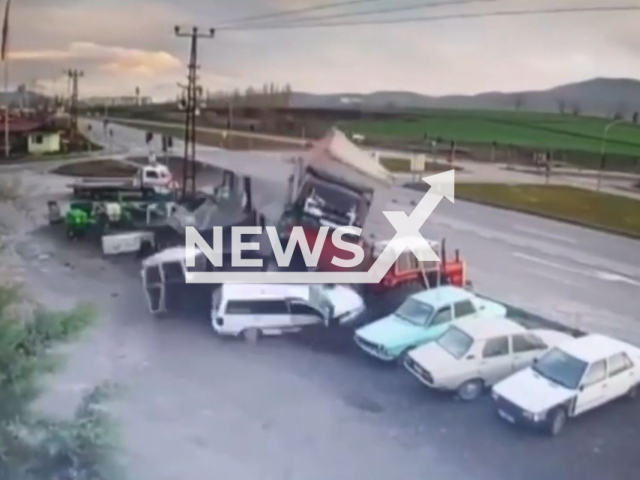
[124, 44]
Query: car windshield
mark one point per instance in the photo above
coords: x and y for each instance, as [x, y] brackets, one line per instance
[455, 342]
[415, 312]
[560, 367]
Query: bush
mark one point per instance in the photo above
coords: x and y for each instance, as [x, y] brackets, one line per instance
[33, 446]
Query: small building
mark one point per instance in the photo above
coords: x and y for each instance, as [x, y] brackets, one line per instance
[41, 142]
[30, 136]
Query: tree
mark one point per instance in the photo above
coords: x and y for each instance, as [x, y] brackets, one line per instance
[519, 101]
[621, 111]
[635, 117]
[562, 106]
[33, 446]
[287, 95]
[576, 110]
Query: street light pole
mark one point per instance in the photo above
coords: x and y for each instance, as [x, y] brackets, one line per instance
[603, 149]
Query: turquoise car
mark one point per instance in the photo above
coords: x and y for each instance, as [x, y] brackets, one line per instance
[423, 317]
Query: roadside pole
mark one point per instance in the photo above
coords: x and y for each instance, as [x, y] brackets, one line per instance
[189, 169]
[6, 108]
[5, 59]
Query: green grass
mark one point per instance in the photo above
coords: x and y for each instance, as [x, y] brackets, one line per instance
[523, 129]
[593, 209]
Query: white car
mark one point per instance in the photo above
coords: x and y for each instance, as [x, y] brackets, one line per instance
[476, 353]
[569, 380]
[255, 310]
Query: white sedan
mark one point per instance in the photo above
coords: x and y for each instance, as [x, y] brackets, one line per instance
[477, 353]
[569, 380]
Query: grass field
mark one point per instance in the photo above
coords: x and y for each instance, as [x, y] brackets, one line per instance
[523, 129]
[589, 208]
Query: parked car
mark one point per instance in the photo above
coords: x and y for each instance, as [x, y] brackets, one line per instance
[476, 353]
[423, 317]
[567, 381]
[254, 310]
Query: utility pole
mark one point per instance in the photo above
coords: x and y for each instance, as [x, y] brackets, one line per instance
[191, 108]
[74, 75]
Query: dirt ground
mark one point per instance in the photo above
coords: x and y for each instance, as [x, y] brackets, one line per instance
[197, 406]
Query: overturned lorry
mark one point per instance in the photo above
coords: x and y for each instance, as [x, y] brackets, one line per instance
[338, 184]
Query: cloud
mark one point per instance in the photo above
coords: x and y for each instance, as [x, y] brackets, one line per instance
[112, 59]
[122, 44]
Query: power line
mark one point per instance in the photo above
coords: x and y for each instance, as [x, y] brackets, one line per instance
[295, 11]
[378, 11]
[437, 18]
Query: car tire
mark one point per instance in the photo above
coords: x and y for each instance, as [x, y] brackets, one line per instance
[632, 394]
[557, 421]
[251, 335]
[470, 390]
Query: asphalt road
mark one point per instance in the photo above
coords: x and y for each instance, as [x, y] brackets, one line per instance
[194, 405]
[579, 277]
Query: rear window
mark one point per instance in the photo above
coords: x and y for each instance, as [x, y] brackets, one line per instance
[464, 308]
[257, 307]
[527, 343]
[618, 364]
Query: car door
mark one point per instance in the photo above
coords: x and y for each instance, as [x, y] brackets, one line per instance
[440, 322]
[272, 315]
[303, 314]
[464, 309]
[496, 362]
[526, 347]
[593, 388]
[621, 375]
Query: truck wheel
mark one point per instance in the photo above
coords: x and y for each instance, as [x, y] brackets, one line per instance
[556, 422]
[251, 335]
[470, 390]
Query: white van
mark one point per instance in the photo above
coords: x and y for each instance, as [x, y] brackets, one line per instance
[254, 310]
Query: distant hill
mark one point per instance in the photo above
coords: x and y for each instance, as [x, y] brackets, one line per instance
[600, 96]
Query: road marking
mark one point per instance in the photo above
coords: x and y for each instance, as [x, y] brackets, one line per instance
[597, 274]
[555, 278]
[547, 263]
[614, 277]
[542, 233]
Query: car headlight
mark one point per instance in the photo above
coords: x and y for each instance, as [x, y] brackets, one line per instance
[534, 417]
[495, 396]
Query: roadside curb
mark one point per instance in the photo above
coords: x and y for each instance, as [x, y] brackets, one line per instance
[632, 177]
[550, 216]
